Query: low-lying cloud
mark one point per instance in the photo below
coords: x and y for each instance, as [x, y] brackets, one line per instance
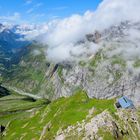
[61, 36]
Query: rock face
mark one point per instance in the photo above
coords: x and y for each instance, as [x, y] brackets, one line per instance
[105, 82]
[111, 72]
[94, 37]
[96, 127]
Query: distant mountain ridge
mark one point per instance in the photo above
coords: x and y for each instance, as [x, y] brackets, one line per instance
[11, 45]
[10, 39]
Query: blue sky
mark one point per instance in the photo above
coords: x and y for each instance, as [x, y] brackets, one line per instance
[38, 11]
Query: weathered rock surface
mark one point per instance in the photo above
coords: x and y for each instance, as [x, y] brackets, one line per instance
[96, 127]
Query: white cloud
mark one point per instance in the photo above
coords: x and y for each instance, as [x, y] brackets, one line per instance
[68, 30]
[28, 2]
[30, 10]
[11, 18]
[31, 31]
[39, 15]
[71, 52]
[62, 35]
[36, 52]
[59, 8]
[36, 6]
[114, 11]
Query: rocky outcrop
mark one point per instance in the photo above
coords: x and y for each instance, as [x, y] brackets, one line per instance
[96, 127]
[105, 81]
[113, 71]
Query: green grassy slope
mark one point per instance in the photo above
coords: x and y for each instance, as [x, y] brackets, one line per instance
[26, 119]
[46, 121]
[15, 106]
[29, 73]
[13, 103]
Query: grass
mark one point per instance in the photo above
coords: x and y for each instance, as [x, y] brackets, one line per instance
[4, 119]
[29, 73]
[97, 58]
[137, 63]
[118, 60]
[13, 103]
[117, 76]
[58, 114]
[14, 108]
[60, 73]
[82, 63]
[105, 135]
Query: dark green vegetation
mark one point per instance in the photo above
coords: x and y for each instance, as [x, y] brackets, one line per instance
[10, 48]
[14, 105]
[137, 63]
[97, 58]
[3, 91]
[44, 121]
[105, 135]
[118, 60]
[29, 72]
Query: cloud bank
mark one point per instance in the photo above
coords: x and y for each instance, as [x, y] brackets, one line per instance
[10, 18]
[112, 12]
[61, 36]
